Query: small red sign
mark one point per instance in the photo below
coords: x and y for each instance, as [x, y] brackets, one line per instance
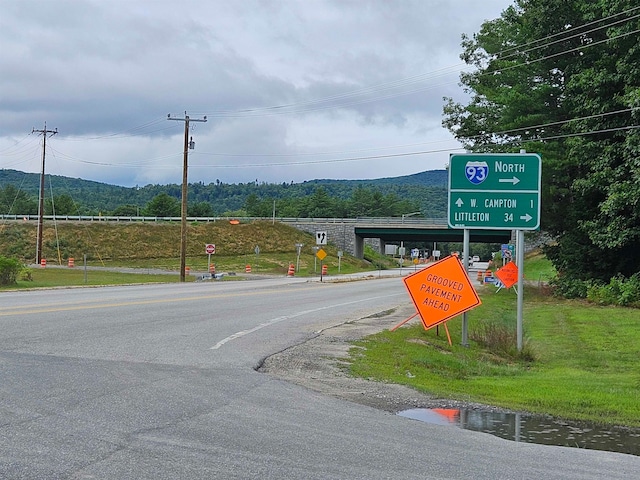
[508, 274]
[210, 248]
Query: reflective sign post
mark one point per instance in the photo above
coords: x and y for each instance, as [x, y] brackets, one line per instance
[465, 256]
[520, 265]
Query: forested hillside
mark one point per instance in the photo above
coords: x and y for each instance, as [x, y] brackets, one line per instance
[424, 192]
[561, 79]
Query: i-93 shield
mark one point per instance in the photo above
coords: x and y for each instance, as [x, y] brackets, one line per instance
[476, 172]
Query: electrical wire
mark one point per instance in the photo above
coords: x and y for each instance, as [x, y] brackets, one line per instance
[578, 27]
[149, 161]
[136, 131]
[359, 158]
[316, 104]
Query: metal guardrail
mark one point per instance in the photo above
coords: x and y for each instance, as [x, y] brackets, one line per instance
[351, 221]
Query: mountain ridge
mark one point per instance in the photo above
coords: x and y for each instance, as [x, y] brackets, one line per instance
[426, 189]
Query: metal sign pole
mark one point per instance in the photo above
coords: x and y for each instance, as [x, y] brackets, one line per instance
[465, 263]
[520, 264]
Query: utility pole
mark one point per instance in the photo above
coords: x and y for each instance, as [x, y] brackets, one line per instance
[183, 231]
[44, 133]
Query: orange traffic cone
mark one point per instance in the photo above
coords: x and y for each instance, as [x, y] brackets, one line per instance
[212, 268]
[292, 270]
[71, 262]
[43, 263]
[324, 269]
[247, 269]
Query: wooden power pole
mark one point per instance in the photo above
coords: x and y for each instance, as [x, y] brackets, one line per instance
[183, 231]
[44, 133]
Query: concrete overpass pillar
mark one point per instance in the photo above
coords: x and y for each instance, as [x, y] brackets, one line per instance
[358, 246]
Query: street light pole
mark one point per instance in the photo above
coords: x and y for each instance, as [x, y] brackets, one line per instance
[409, 215]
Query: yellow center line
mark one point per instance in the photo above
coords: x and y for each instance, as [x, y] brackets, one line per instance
[69, 308]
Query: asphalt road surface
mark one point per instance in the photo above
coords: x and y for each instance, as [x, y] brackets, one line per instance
[159, 382]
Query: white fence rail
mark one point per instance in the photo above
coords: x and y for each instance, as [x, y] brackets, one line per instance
[358, 221]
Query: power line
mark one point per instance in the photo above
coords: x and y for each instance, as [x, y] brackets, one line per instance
[361, 158]
[278, 109]
[578, 27]
[320, 104]
[135, 131]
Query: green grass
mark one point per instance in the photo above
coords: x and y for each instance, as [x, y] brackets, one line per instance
[537, 268]
[156, 246]
[67, 277]
[586, 359]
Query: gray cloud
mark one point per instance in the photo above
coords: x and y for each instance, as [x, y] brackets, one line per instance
[283, 83]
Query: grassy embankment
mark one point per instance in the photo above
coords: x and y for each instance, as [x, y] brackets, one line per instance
[585, 357]
[150, 246]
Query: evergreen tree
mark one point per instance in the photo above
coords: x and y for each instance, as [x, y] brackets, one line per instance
[163, 205]
[560, 79]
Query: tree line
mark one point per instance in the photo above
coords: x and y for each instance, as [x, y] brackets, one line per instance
[561, 79]
[363, 202]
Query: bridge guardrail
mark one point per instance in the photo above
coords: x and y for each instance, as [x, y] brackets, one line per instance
[351, 221]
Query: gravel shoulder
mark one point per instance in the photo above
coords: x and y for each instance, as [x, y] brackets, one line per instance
[317, 365]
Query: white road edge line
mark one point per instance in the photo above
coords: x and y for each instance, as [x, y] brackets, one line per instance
[289, 317]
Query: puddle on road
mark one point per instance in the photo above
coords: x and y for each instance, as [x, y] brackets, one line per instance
[533, 429]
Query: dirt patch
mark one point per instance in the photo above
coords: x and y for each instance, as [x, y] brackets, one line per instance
[317, 364]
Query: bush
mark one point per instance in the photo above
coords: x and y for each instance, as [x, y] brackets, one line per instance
[619, 291]
[501, 340]
[10, 268]
[567, 287]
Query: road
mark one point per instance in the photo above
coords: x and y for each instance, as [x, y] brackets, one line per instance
[159, 382]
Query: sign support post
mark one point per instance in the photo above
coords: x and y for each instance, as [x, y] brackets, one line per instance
[465, 256]
[520, 264]
[497, 191]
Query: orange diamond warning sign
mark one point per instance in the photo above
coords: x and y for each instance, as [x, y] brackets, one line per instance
[508, 274]
[441, 291]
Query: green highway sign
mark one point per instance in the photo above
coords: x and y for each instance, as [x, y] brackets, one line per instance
[495, 191]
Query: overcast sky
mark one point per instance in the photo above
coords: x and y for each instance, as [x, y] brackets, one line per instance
[293, 90]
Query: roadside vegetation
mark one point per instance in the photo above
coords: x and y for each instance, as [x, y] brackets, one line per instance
[527, 94]
[578, 362]
[149, 247]
[77, 276]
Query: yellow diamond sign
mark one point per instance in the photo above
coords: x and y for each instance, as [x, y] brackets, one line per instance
[321, 254]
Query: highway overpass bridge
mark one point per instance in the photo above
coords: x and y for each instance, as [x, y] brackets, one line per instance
[350, 234]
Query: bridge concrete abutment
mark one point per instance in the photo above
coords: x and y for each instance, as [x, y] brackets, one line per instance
[351, 236]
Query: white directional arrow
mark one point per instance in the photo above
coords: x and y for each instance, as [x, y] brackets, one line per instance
[459, 202]
[513, 181]
[526, 217]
